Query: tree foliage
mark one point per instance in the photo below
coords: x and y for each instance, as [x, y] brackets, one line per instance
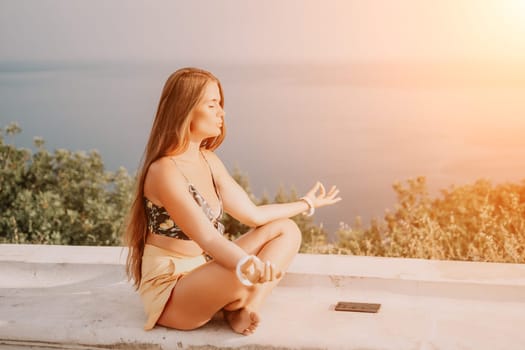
[474, 222]
[65, 197]
[59, 197]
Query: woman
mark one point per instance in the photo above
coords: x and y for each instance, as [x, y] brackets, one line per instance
[183, 267]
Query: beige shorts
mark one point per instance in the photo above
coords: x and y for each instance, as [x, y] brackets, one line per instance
[161, 269]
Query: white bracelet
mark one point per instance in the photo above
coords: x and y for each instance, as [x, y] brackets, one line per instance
[240, 275]
[311, 209]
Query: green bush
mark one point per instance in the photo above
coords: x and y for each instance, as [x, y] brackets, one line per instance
[62, 197]
[67, 197]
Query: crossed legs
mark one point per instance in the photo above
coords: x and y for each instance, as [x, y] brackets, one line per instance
[210, 287]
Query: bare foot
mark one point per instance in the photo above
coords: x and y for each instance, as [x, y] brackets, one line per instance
[242, 321]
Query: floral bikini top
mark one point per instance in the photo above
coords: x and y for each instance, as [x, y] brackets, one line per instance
[160, 222]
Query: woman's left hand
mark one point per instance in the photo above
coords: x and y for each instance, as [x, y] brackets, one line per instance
[320, 198]
[257, 271]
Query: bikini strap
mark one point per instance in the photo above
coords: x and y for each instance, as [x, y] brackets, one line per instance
[212, 178]
[192, 187]
[174, 162]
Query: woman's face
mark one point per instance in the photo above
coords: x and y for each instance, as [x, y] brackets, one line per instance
[207, 116]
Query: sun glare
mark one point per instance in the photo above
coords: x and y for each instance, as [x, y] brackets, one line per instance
[514, 11]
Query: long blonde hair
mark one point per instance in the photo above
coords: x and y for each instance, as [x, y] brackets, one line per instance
[169, 135]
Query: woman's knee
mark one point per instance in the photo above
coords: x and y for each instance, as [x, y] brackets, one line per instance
[289, 228]
[285, 228]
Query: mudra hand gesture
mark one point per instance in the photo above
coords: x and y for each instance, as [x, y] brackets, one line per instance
[317, 197]
[253, 270]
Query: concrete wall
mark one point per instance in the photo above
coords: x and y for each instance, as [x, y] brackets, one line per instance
[79, 298]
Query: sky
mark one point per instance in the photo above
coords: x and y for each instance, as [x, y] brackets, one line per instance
[262, 31]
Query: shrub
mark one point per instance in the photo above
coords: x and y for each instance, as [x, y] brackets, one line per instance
[67, 197]
[62, 197]
[475, 222]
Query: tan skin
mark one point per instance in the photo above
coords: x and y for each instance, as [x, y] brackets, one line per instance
[274, 237]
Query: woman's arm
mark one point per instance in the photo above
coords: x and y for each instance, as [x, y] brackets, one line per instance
[237, 203]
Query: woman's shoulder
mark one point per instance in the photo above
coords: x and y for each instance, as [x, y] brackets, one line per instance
[164, 167]
[162, 177]
[160, 164]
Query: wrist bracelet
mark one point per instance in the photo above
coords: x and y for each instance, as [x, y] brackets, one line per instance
[238, 272]
[311, 209]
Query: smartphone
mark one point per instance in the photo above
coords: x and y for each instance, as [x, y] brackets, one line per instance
[357, 307]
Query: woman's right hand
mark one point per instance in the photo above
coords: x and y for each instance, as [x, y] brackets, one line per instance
[257, 271]
[320, 198]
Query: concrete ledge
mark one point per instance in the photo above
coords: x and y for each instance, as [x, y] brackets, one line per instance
[78, 298]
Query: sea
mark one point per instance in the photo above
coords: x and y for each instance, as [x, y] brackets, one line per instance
[361, 126]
